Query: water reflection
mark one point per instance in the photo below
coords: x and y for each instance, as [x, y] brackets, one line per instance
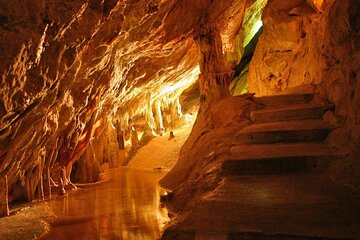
[128, 207]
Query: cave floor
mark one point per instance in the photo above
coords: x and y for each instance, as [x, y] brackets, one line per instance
[272, 207]
[161, 152]
[26, 222]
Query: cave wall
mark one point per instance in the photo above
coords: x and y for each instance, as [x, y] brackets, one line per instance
[67, 64]
[204, 147]
[104, 151]
[341, 86]
[313, 46]
[52, 81]
[306, 46]
[289, 52]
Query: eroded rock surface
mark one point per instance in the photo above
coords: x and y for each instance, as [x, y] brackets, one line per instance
[313, 46]
[306, 46]
[76, 76]
[67, 66]
[71, 69]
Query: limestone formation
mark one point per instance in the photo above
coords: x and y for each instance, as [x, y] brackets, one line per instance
[83, 80]
[4, 200]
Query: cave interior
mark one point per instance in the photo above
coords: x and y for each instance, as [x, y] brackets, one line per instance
[249, 109]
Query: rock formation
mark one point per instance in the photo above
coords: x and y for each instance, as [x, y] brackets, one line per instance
[71, 69]
[314, 50]
[76, 77]
[305, 47]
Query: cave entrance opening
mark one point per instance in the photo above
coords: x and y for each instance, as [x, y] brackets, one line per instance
[251, 30]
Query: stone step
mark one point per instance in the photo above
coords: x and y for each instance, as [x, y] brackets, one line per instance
[278, 158]
[313, 130]
[290, 112]
[284, 99]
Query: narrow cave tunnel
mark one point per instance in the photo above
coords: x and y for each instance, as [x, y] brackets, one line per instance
[179, 119]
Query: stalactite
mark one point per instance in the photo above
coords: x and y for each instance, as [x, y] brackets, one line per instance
[158, 117]
[41, 195]
[64, 176]
[316, 4]
[46, 173]
[48, 182]
[4, 198]
[41, 168]
[215, 75]
[62, 186]
[176, 113]
[81, 145]
[178, 106]
[149, 115]
[134, 138]
[29, 188]
[120, 138]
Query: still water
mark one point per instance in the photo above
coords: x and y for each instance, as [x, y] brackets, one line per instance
[127, 207]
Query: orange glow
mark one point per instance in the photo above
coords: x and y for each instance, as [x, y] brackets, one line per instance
[186, 81]
[126, 208]
[162, 90]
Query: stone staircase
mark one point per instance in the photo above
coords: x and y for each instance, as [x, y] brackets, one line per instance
[270, 187]
[287, 136]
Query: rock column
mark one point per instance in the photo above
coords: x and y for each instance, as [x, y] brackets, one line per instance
[4, 198]
[158, 117]
[175, 109]
[215, 75]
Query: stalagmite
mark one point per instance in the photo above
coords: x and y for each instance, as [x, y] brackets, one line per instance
[4, 199]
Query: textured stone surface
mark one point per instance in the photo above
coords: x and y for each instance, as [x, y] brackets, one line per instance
[58, 75]
[70, 67]
[315, 49]
[70, 70]
[288, 54]
[206, 148]
[341, 85]
[272, 207]
[27, 223]
[303, 49]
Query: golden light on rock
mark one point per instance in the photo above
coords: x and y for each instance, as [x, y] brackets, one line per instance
[217, 98]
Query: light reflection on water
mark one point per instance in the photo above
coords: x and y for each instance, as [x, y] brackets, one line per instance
[128, 207]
